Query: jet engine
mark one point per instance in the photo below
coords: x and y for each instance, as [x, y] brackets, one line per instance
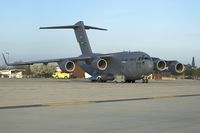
[100, 64]
[67, 66]
[159, 65]
[176, 68]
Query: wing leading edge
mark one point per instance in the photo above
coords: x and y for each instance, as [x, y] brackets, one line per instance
[46, 61]
[75, 59]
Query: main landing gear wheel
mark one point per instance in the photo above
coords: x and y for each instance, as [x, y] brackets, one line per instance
[99, 79]
[129, 81]
[145, 80]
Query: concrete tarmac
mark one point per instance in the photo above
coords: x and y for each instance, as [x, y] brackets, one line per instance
[169, 107]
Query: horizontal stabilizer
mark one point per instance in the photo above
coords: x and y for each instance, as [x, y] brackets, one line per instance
[77, 25]
[60, 27]
[95, 28]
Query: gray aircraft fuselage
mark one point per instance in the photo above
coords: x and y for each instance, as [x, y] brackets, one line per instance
[133, 65]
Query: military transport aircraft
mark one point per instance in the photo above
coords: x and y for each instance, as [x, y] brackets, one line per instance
[127, 66]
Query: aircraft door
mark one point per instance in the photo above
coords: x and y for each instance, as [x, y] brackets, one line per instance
[128, 68]
[123, 67]
[139, 66]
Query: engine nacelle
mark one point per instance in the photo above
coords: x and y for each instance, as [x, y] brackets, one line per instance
[176, 68]
[160, 65]
[67, 66]
[100, 64]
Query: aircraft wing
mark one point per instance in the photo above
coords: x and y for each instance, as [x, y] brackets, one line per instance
[46, 61]
[80, 58]
[105, 56]
[168, 62]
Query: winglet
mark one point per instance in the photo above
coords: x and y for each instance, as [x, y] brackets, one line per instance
[5, 59]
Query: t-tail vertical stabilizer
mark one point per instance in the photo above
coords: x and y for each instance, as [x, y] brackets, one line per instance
[81, 35]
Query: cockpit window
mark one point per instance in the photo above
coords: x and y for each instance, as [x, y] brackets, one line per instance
[143, 58]
[147, 58]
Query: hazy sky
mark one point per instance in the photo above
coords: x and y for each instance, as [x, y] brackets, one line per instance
[169, 29]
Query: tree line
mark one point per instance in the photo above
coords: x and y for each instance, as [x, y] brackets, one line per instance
[192, 73]
[37, 71]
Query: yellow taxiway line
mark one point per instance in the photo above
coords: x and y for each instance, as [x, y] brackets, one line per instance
[100, 101]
